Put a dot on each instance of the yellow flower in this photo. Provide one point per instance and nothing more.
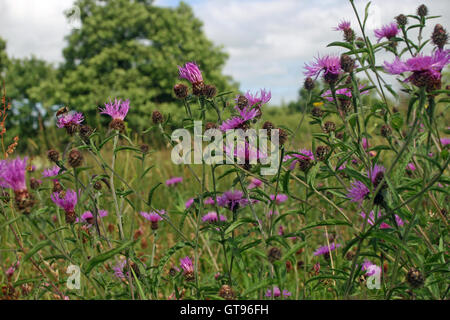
(318, 104)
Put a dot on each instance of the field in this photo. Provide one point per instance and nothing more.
(357, 207)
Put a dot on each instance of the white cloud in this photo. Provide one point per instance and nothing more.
(268, 40)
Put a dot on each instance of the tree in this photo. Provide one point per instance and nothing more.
(131, 49)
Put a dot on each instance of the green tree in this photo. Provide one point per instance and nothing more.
(131, 49)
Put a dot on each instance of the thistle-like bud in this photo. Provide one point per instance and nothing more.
(439, 36)
(349, 35)
(329, 126)
(360, 42)
(422, 10)
(415, 278)
(181, 91)
(226, 292)
(210, 125)
(402, 20)
(242, 102)
(386, 131)
(322, 152)
(209, 91)
(309, 84)
(35, 183)
(75, 158)
(53, 155)
(274, 254)
(282, 136)
(197, 88)
(347, 63)
(317, 112)
(157, 117)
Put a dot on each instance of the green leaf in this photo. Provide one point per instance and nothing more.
(150, 194)
(36, 248)
(107, 255)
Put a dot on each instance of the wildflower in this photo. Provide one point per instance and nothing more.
(402, 20)
(347, 63)
(12, 175)
(277, 293)
(415, 278)
(386, 131)
(322, 152)
(254, 183)
(329, 126)
(343, 25)
(66, 200)
(388, 31)
(144, 148)
(325, 250)
(349, 34)
(383, 225)
(209, 201)
(117, 111)
(119, 268)
(330, 66)
(53, 155)
(192, 73)
(304, 157)
(70, 121)
(213, 217)
(209, 91)
(181, 91)
(232, 200)
(422, 10)
(370, 268)
(445, 141)
(376, 174)
(51, 172)
(358, 192)
(88, 217)
(189, 203)
(280, 198)
(35, 183)
(365, 143)
(75, 158)
(343, 92)
(241, 102)
(154, 217)
(10, 271)
(246, 154)
(317, 112)
(439, 36)
(258, 99)
(426, 70)
(85, 132)
(240, 122)
(410, 167)
(274, 254)
(272, 213)
(174, 181)
(188, 268)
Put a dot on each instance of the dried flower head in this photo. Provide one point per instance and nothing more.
(180, 90)
(75, 158)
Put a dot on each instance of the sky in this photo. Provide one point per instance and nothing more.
(268, 41)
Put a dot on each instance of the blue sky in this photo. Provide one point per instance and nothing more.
(268, 40)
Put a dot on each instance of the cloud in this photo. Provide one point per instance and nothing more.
(268, 40)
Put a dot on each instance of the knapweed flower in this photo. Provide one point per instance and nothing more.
(358, 192)
(280, 198)
(329, 66)
(410, 167)
(191, 72)
(70, 120)
(342, 26)
(245, 154)
(343, 91)
(258, 99)
(12, 175)
(174, 181)
(209, 201)
(426, 70)
(383, 225)
(376, 174)
(241, 121)
(117, 111)
(188, 268)
(388, 31)
(232, 200)
(254, 183)
(66, 200)
(154, 217)
(445, 141)
(10, 271)
(51, 172)
(119, 268)
(88, 216)
(277, 293)
(213, 217)
(325, 250)
(304, 158)
(370, 268)
(189, 203)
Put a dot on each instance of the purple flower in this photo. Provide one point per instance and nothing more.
(387, 31)
(209, 201)
(271, 213)
(258, 99)
(410, 167)
(277, 293)
(383, 225)
(66, 200)
(118, 269)
(342, 26)
(358, 192)
(445, 141)
(343, 91)
(365, 143)
(302, 156)
(186, 265)
(330, 66)
(174, 181)
(189, 203)
(280, 198)
(191, 73)
(254, 183)
(12, 173)
(370, 268)
(423, 67)
(374, 174)
(212, 217)
(51, 172)
(232, 200)
(153, 216)
(69, 119)
(116, 110)
(245, 115)
(88, 217)
(247, 154)
(325, 250)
